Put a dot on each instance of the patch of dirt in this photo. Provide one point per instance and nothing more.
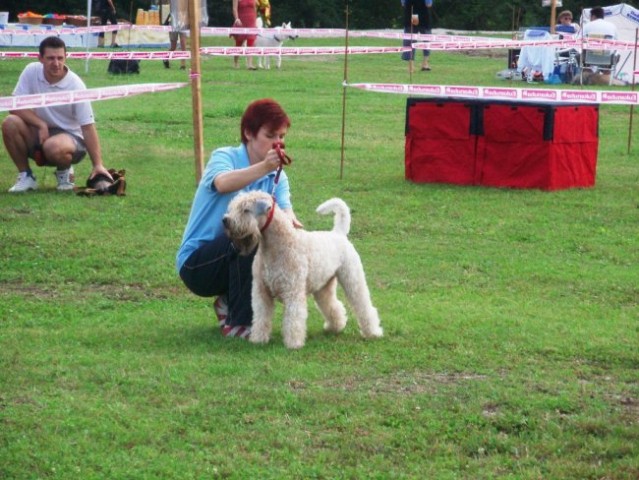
(403, 383)
(488, 53)
(122, 293)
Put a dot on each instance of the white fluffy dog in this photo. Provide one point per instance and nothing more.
(272, 37)
(291, 263)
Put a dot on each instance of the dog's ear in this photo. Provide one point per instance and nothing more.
(262, 207)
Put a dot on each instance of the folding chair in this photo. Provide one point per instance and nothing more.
(536, 59)
(599, 61)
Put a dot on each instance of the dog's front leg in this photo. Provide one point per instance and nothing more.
(294, 323)
(263, 306)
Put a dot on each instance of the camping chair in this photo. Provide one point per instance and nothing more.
(536, 59)
(598, 60)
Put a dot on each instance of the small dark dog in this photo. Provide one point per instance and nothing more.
(101, 185)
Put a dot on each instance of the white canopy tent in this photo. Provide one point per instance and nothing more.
(626, 18)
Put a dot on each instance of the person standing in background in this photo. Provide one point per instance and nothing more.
(417, 19)
(245, 15)
(174, 35)
(106, 11)
(264, 11)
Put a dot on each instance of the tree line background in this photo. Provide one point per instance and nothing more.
(491, 15)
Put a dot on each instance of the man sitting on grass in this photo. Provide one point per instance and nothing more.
(58, 136)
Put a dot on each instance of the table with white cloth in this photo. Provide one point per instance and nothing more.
(18, 35)
(23, 35)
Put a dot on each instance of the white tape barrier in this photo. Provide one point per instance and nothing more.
(110, 55)
(609, 97)
(293, 51)
(227, 31)
(21, 102)
(424, 41)
(451, 42)
(215, 51)
(578, 43)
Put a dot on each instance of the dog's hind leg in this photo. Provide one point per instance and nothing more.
(332, 309)
(353, 280)
(294, 322)
(263, 308)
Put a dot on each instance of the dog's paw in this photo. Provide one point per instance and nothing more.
(258, 337)
(295, 344)
(376, 332)
(334, 327)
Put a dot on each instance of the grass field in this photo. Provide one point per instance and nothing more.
(510, 316)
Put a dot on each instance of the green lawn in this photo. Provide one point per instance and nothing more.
(510, 316)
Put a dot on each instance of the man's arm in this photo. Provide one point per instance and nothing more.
(92, 142)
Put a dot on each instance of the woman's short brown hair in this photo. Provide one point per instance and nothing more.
(263, 113)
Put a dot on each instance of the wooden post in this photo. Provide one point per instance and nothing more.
(553, 16)
(196, 90)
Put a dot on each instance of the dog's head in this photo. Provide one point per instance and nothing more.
(244, 219)
(287, 34)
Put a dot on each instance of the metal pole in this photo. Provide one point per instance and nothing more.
(632, 107)
(341, 165)
(87, 35)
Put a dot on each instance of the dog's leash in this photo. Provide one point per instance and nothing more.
(284, 160)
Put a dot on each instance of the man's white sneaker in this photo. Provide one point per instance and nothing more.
(65, 179)
(24, 183)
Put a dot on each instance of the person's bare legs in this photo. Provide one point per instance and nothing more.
(18, 136)
(425, 64)
(183, 48)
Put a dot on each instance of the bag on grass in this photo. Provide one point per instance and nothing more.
(117, 67)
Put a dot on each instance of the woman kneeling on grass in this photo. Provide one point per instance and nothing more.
(207, 261)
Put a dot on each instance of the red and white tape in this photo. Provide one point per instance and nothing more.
(423, 41)
(610, 97)
(215, 51)
(21, 102)
(453, 42)
(293, 51)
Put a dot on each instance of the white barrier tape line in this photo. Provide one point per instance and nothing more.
(224, 51)
(130, 55)
(565, 43)
(216, 51)
(608, 97)
(293, 51)
(21, 102)
(301, 32)
(111, 55)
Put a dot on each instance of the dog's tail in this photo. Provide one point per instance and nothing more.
(342, 221)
